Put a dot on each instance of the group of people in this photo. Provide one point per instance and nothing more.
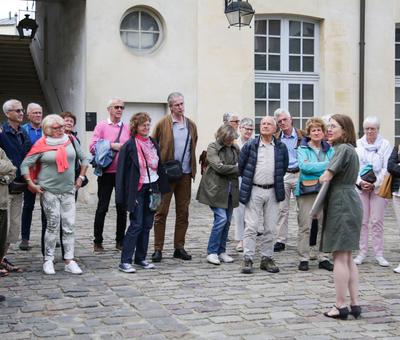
(249, 178)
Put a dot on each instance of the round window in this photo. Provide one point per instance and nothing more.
(141, 30)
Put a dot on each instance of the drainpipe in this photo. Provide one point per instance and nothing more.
(361, 70)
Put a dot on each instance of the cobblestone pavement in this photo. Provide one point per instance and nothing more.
(191, 300)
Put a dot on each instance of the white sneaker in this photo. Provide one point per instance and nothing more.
(213, 258)
(382, 262)
(73, 268)
(224, 257)
(397, 269)
(48, 267)
(359, 259)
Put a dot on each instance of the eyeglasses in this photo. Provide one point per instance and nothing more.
(283, 120)
(234, 121)
(248, 129)
(117, 107)
(60, 127)
(17, 110)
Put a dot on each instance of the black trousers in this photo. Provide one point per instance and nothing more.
(106, 185)
(3, 232)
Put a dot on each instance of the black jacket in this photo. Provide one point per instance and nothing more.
(247, 167)
(128, 174)
(393, 168)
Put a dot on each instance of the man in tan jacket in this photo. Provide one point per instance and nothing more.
(177, 138)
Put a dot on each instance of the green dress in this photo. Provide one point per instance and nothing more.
(343, 210)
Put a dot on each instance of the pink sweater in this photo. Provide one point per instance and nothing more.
(109, 131)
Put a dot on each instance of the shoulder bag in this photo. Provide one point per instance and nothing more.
(78, 164)
(155, 195)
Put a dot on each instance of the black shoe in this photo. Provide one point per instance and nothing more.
(24, 245)
(303, 266)
(343, 313)
(269, 265)
(157, 256)
(58, 245)
(326, 265)
(182, 254)
(259, 233)
(279, 246)
(355, 311)
(247, 267)
(2, 298)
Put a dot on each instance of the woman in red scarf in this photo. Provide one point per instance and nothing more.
(49, 169)
(139, 174)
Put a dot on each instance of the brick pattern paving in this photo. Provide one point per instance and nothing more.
(191, 300)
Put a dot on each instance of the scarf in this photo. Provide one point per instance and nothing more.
(370, 153)
(146, 148)
(45, 144)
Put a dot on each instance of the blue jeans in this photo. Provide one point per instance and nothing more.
(220, 229)
(136, 239)
(27, 211)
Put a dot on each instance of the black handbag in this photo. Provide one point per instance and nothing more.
(17, 187)
(309, 187)
(173, 169)
(78, 165)
(369, 176)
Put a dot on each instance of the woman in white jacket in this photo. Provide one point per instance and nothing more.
(374, 152)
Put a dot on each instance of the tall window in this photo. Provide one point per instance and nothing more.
(286, 66)
(397, 86)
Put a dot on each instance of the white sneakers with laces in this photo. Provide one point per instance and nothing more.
(213, 259)
(73, 268)
(48, 267)
(381, 261)
(224, 257)
(359, 259)
(397, 269)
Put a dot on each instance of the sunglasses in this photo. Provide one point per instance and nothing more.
(117, 107)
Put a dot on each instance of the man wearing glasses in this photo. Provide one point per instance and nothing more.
(291, 137)
(16, 143)
(117, 133)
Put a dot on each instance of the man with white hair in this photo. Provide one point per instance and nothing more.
(117, 133)
(16, 143)
(35, 114)
(263, 162)
(291, 137)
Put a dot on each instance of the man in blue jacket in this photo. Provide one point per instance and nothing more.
(262, 164)
(16, 143)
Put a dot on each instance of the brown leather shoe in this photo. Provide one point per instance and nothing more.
(269, 265)
(98, 248)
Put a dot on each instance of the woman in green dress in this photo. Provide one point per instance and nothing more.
(342, 215)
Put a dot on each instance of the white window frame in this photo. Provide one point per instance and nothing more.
(286, 77)
(160, 32)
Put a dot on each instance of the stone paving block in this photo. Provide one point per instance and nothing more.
(167, 324)
(225, 319)
(82, 330)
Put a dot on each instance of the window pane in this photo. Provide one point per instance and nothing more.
(274, 27)
(294, 45)
(294, 91)
(260, 61)
(308, 109)
(261, 108)
(272, 106)
(294, 63)
(304, 122)
(398, 34)
(397, 67)
(274, 45)
(296, 123)
(274, 90)
(148, 23)
(261, 90)
(308, 29)
(130, 39)
(308, 64)
(131, 21)
(294, 28)
(148, 40)
(261, 27)
(308, 46)
(274, 63)
(397, 56)
(294, 109)
(397, 141)
(260, 44)
(397, 95)
(397, 111)
(308, 92)
(397, 128)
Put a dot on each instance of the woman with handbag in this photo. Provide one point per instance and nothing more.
(342, 215)
(393, 167)
(140, 181)
(313, 155)
(219, 188)
(373, 152)
(49, 169)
